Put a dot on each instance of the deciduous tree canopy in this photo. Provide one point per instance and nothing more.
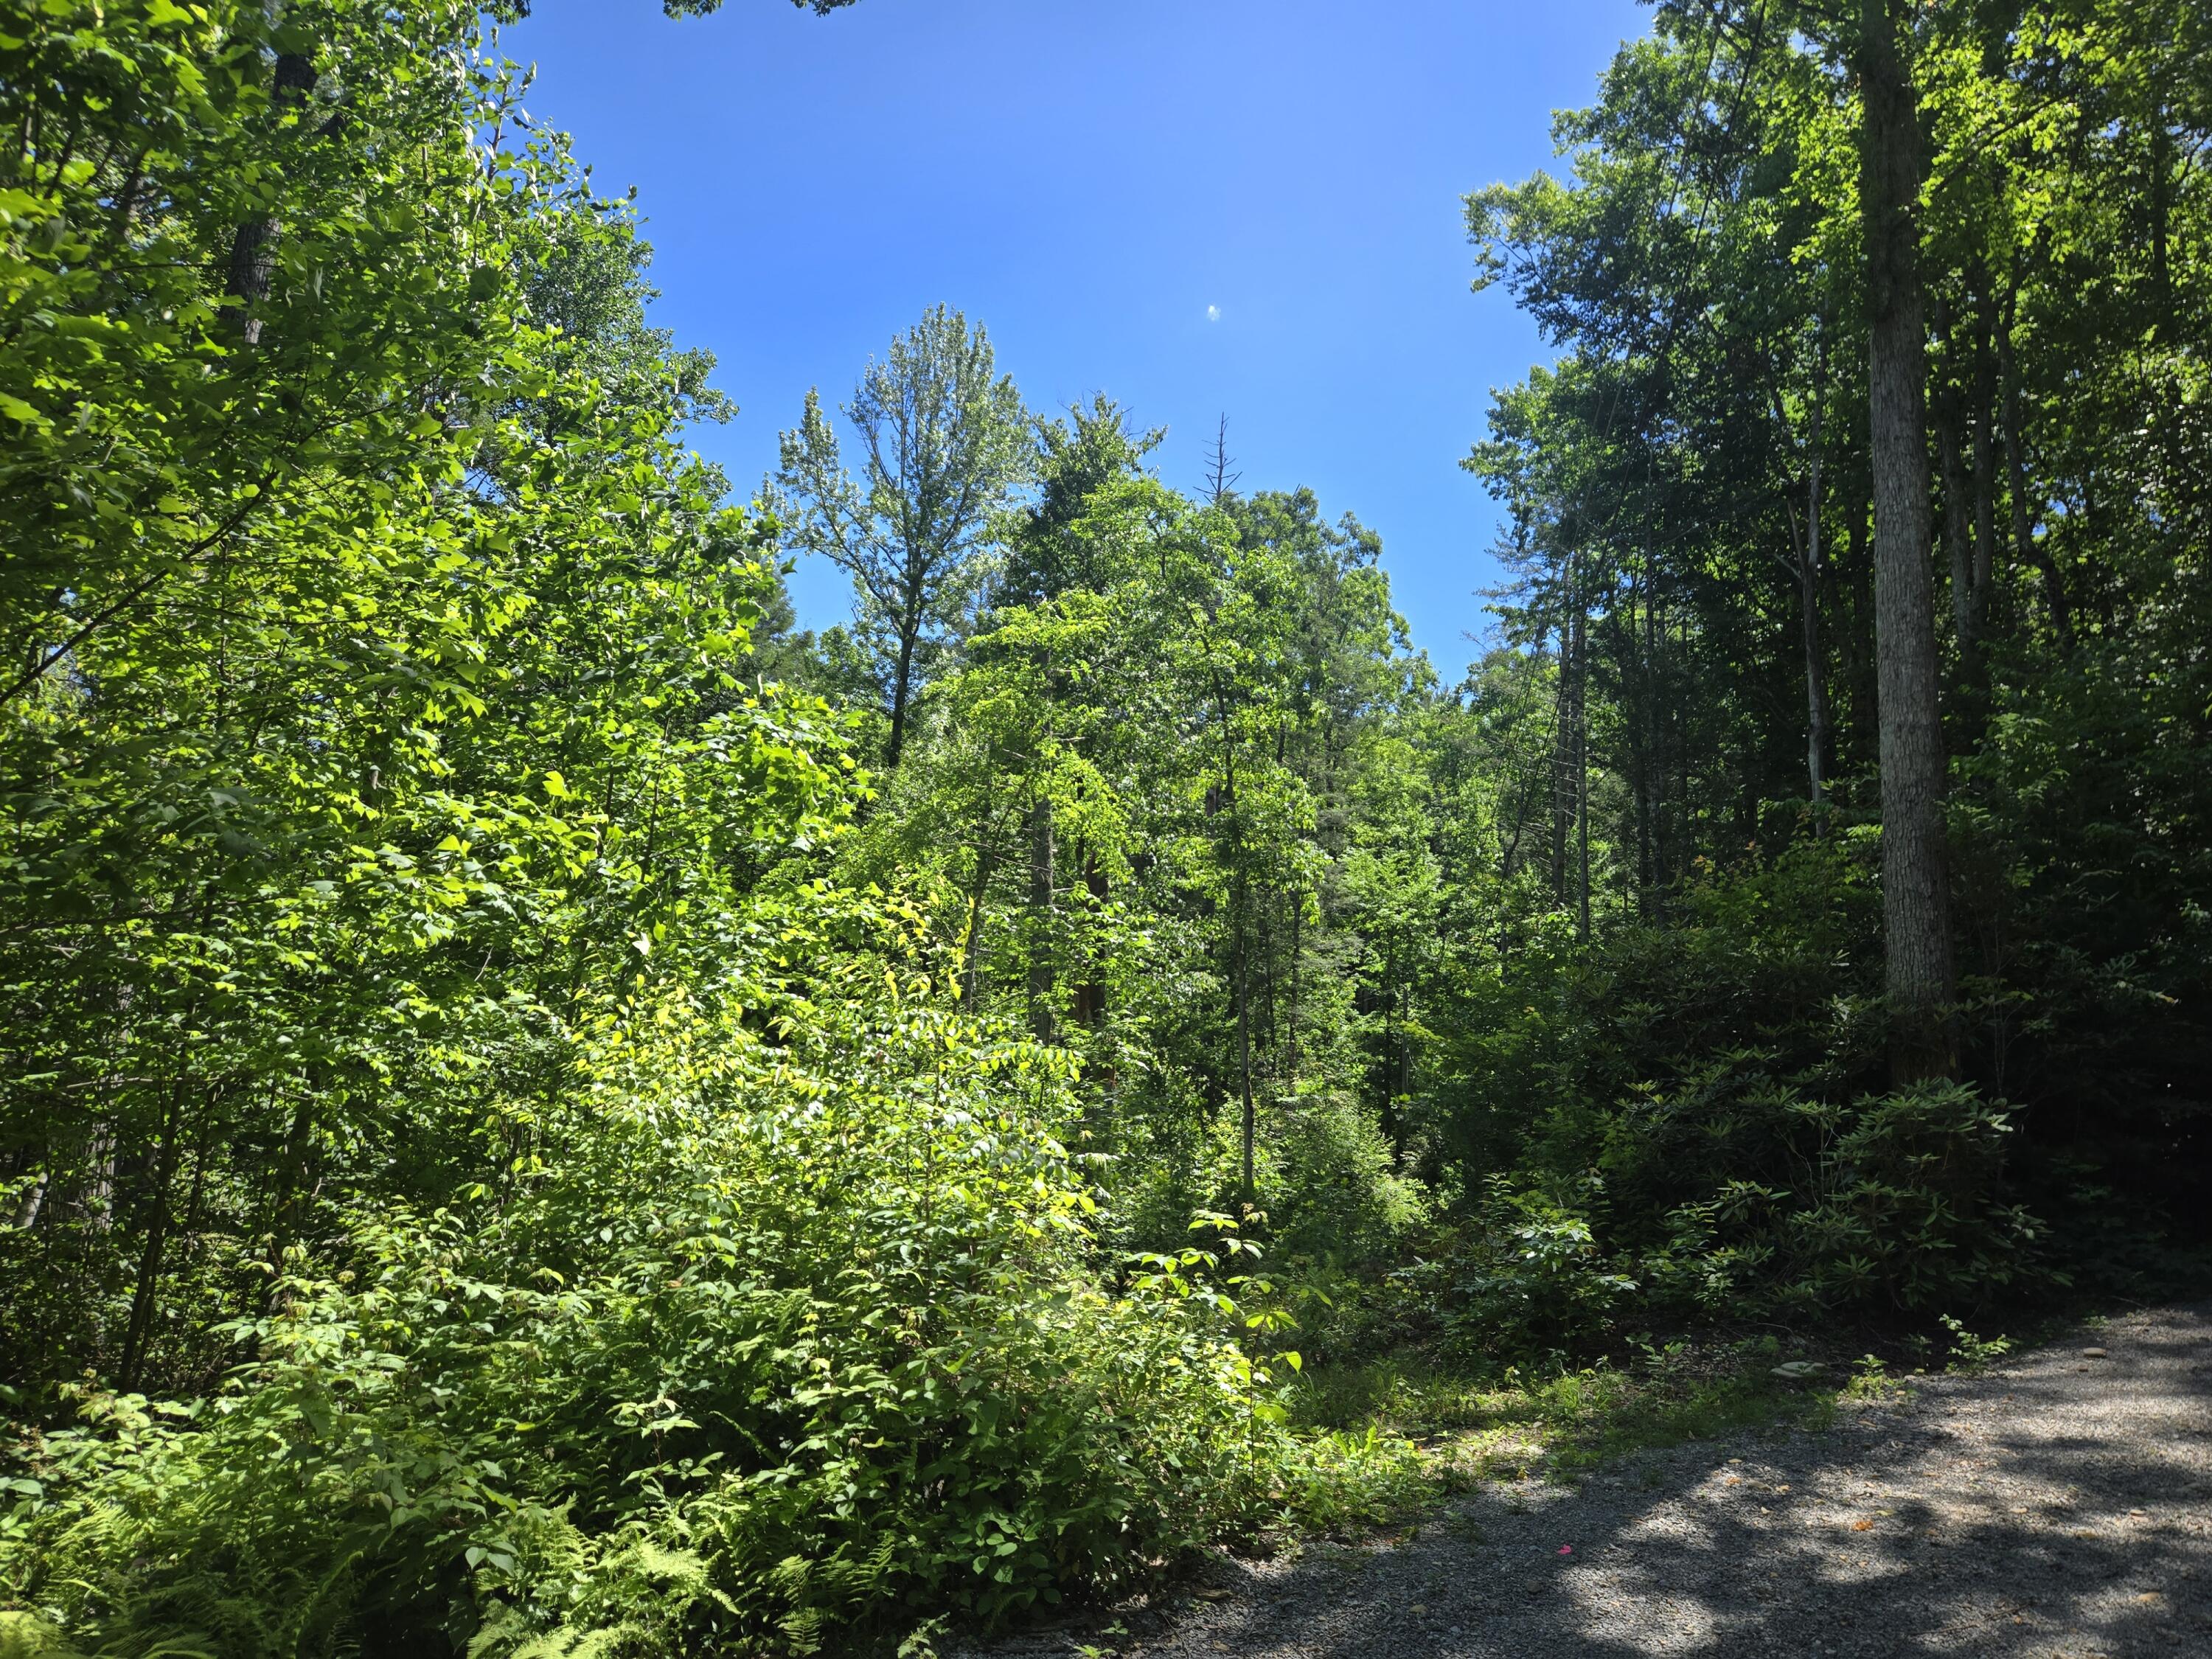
(547, 1112)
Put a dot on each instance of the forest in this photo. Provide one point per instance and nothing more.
(548, 1112)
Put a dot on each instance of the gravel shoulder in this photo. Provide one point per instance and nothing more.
(2060, 1505)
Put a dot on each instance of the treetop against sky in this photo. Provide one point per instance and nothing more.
(1241, 207)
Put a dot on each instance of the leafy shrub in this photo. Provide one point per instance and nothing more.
(1775, 1198)
(1332, 1190)
(818, 1348)
(1349, 1478)
(1529, 1279)
(1707, 1143)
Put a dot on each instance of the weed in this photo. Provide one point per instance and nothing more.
(1872, 1382)
(1969, 1352)
(1564, 1425)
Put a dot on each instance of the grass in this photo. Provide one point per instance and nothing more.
(1384, 1438)
(1562, 1423)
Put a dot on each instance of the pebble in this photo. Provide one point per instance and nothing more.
(1987, 1535)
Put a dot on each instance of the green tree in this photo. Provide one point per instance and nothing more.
(944, 435)
(441, 1045)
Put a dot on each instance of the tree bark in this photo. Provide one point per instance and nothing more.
(1985, 470)
(901, 690)
(253, 246)
(1580, 641)
(1916, 880)
(2026, 551)
(145, 1293)
(1091, 993)
(1241, 901)
(1808, 551)
(2161, 216)
(1563, 761)
(1042, 879)
(33, 1200)
(1251, 1124)
(1655, 768)
(1808, 634)
(1958, 538)
(971, 963)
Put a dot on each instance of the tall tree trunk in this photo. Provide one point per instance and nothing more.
(1816, 679)
(971, 954)
(1563, 749)
(1985, 469)
(1847, 586)
(287, 1212)
(253, 245)
(1636, 700)
(1043, 877)
(1916, 883)
(1091, 993)
(1580, 643)
(1405, 1058)
(1958, 538)
(1241, 902)
(1251, 1125)
(901, 690)
(145, 1294)
(1655, 769)
(1808, 550)
(34, 1199)
(1391, 1127)
(1685, 810)
(2027, 551)
(97, 1202)
(1957, 497)
(2161, 216)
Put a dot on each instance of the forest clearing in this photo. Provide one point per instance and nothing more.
(550, 1111)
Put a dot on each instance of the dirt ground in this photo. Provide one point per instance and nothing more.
(2059, 1504)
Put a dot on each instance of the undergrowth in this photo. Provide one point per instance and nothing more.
(1564, 1421)
(1559, 1421)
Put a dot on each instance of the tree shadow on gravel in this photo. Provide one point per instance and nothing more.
(2060, 1506)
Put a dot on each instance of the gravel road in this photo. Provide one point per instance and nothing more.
(2060, 1505)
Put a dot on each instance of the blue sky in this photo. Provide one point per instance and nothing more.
(1087, 180)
